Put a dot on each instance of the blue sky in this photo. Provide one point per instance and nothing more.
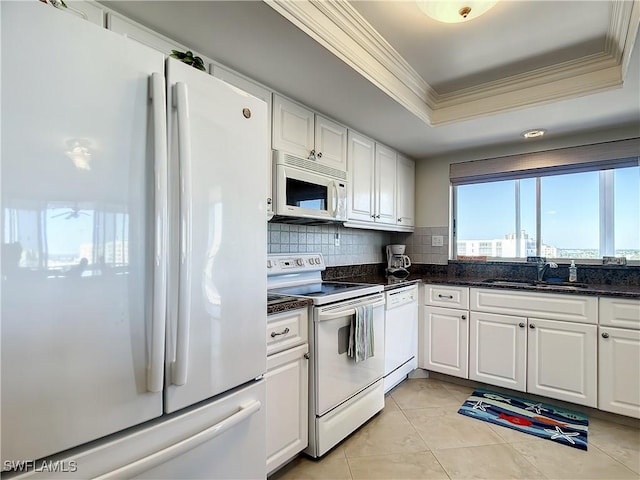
(569, 209)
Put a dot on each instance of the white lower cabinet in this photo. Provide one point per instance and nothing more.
(498, 350)
(445, 341)
(619, 371)
(287, 405)
(287, 380)
(562, 361)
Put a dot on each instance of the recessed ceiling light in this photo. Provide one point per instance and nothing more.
(534, 133)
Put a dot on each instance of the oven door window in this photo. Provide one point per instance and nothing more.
(307, 195)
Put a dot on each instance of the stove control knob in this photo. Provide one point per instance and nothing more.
(300, 262)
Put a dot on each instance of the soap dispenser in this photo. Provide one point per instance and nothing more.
(573, 271)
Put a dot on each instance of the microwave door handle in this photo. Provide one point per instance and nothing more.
(334, 213)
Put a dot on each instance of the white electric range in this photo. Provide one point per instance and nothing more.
(343, 393)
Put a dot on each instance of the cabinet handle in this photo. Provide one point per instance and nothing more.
(307, 356)
(269, 201)
(319, 155)
(284, 332)
(377, 216)
(532, 325)
(399, 220)
(605, 335)
(450, 297)
(373, 216)
(521, 325)
(464, 317)
(312, 155)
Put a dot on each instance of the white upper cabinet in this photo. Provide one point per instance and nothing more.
(386, 175)
(263, 93)
(361, 159)
(300, 132)
(330, 143)
(405, 192)
(90, 11)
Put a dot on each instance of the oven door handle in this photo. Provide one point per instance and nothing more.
(323, 317)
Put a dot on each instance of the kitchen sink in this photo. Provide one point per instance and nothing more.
(510, 283)
(533, 283)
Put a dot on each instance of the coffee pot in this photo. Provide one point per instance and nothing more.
(397, 261)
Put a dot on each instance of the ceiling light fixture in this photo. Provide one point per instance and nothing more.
(534, 133)
(454, 11)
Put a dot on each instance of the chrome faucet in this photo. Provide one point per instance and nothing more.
(543, 267)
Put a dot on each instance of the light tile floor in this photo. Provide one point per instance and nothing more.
(420, 435)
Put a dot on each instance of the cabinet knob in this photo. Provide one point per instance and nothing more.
(307, 356)
(531, 325)
(521, 325)
(269, 201)
(605, 335)
(463, 317)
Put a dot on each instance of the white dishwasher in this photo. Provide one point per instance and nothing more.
(400, 335)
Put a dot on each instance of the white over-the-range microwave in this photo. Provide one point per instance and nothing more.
(306, 191)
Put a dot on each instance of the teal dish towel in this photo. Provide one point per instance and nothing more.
(361, 339)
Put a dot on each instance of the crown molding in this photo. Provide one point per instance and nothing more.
(341, 29)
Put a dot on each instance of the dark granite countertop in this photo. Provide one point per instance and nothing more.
(284, 303)
(628, 291)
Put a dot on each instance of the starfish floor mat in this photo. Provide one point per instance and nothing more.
(535, 418)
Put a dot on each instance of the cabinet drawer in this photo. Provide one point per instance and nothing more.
(446, 296)
(620, 312)
(569, 308)
(286, 330)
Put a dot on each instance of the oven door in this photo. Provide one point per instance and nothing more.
(337, 376)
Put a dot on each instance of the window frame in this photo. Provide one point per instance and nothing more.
(606, 219)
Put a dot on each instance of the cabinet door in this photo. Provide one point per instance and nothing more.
(498, 350)
(446, 341)
(405, 194)
(385, 209)
(86, 10)
(361, 167)
(287, 405)
(264, 94)
(619, 371)
(331, 143)
(562, 361)
(128, 28)
(293, 127)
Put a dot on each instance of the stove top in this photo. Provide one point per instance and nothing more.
(319, 289)
(299, 275)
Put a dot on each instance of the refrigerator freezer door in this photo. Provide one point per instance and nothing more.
(217, 137)
(222, 439)
(77, 247)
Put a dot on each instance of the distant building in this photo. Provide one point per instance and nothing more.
(504, 247)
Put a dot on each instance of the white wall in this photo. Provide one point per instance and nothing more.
(432, 174)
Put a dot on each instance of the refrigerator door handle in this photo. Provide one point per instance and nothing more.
(155, 369)
(181, 364)
(149, 462)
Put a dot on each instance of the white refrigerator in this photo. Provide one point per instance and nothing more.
(134, 243)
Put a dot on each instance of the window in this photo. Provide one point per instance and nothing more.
(580, 215)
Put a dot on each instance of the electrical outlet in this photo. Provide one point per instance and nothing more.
(437, 241)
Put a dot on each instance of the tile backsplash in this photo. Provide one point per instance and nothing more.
(419, 245)
(356, 246)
